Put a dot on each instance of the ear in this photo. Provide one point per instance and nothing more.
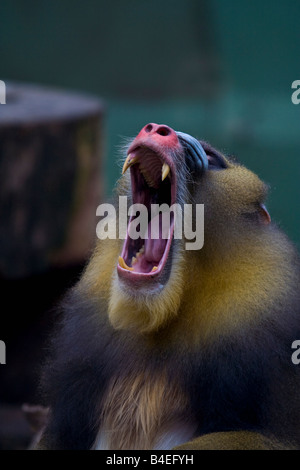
(264, 215)
(215, 159)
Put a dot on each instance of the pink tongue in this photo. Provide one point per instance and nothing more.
(156, 242)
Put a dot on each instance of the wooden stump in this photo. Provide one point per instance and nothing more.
(50, 178)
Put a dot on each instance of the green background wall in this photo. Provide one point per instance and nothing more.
(219, 69)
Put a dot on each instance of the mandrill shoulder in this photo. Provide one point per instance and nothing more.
(235, 440)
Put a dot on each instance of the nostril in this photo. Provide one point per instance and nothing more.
(164, 131)
(153, 135)
(148, 128)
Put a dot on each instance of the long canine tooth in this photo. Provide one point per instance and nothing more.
(123, 264)
(128, 163)
(165, 171)
(154, 268)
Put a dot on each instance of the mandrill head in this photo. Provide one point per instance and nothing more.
(190, 263)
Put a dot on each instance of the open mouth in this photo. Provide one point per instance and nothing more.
(153, 183)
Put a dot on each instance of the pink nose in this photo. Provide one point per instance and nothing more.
(160, 133)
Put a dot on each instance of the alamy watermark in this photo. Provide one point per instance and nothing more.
(2, 352)
(2, 92)
(188, 222)
(296, 354)
(296, 94)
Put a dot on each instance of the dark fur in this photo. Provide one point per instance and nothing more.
(233, 385)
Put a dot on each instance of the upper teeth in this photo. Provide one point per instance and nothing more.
(165, 170)
(148, 178)
(128, 163)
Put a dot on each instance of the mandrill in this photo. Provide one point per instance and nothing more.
(164, 347)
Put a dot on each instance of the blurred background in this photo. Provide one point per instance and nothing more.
(81, 77)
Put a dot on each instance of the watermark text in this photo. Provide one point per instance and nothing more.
(296, 354)
(2, 352)
(159, 221)
(296, 94)
(2, 92)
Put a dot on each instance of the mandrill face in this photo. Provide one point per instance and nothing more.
(148, 277)
(164, 166)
